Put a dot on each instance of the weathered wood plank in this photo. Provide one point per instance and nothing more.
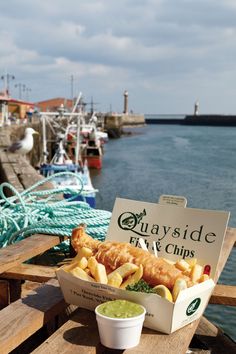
(230, 239)
(9, 176)
(22, 318)
(32, 272)
(224, 295)
(3, 156)
(32, 246)
(4, 293)
(4, 139)
(18, 171)
(80, 334)
(29, 179)
(15, 289)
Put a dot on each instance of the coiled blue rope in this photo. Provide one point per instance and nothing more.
(42, 211)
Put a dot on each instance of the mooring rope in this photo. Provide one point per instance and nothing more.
(42, 211)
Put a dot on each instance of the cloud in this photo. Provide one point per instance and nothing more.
(152, 48)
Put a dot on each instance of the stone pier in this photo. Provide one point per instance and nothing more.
(114, 123)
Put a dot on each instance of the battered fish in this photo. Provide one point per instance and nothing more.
(113, 254)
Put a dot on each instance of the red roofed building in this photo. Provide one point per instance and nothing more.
(53, 104)
(10, 107)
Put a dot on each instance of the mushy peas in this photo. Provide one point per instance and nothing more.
(120, 309)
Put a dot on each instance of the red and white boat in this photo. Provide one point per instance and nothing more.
(91, 143)
(92, 154)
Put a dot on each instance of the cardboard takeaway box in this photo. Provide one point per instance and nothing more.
(177, 232)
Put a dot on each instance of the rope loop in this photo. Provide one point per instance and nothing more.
(43, 211)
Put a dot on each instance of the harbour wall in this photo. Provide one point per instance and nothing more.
(15, 132)
(19, 171)
(211, 119)
(203, 119)
(163, 121)
(114, 123)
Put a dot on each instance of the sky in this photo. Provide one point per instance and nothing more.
(167, 54)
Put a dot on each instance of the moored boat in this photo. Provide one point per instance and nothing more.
(91, 143)
(70, 174)
(93, 155)
(73, 179)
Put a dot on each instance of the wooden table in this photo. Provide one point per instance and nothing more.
(80, 333)
(24, 317)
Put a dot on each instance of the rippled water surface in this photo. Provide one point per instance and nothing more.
(193, 161)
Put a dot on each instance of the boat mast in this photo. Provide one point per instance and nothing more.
(45, 152)
(53, 120)
(77, 148)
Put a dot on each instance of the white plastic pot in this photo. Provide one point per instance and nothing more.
(120, 333)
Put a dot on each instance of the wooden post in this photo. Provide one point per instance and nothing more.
(4, 293)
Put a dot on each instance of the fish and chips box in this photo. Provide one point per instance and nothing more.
(169, 230)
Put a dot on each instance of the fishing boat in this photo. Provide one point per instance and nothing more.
(73, 178)
(92, 153)
(91, 142)
(64, 172)
(91, 128)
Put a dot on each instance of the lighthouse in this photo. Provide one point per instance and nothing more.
(196, 108)
(125, 102)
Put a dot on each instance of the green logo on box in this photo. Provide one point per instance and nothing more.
(193, 306)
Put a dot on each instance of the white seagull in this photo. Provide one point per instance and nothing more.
(25, 145)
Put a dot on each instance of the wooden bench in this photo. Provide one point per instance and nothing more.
(22, 319)
(80, 334)
(24, 313)
(13, 269)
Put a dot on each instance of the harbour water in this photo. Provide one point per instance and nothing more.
(198, 162)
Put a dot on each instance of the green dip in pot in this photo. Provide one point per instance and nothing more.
(120, 309)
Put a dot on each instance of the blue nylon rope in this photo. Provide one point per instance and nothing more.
(44, 211)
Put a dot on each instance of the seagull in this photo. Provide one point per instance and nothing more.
(25, 145)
